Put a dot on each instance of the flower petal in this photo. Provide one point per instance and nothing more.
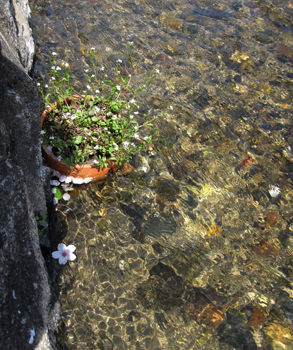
(71, 248)
(71, 256)
(61, 247)
(62, 260)
(56, 254)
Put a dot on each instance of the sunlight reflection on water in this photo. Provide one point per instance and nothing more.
(189, 250)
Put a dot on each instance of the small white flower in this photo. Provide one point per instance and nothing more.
(46, 86)
(156, 214)
(118, 87)
(54, 190)
(96, 147)
(66, 196)
(97, 109)
(114, 117)
(136, 136)
(131, 116)
(132, 101)
(171, 107)
(53, 67)
(58, 68)
(136, 127)
(64, 253)
(157, 71)
(38, 84)
(51, 137)
(130, 42)
(135, 112)
(118, 71)
(86, 70)
(73, 116)
(125, 144)
(66, 64)
(144, 168)
(146, 138)
(54, 183)
(129, 75)
(88, 87)
(93, 48)
(274, 191)
(102, 68)
(53, 78)
(42, 132)
(92, 75)
(119, 61)
(54, 54)
(106, 75)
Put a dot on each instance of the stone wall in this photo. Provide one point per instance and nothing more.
(28, 309)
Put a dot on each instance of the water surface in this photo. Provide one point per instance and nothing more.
(189, 250)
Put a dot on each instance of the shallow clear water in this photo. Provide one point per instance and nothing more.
(189, 250)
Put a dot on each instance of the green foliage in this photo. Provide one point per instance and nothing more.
(41, 219)
(101, 120)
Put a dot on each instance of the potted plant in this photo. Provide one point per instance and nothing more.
(88, 134)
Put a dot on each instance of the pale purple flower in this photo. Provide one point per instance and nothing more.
(64, 253)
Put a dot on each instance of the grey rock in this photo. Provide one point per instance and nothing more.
(29, 310)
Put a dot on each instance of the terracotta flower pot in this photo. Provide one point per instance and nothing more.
(84, 171)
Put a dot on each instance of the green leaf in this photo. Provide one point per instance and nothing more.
(58, 193)
(95, 119)
(43, 214)
(78, 140)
